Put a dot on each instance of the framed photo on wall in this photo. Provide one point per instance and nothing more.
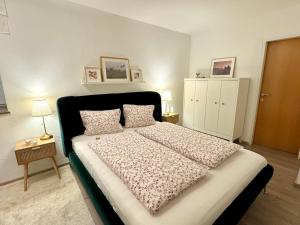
(222, 67)
(136, 75)
(115, 70)
(3, 8)
(92, 75)
(3, 105)
(4, 28)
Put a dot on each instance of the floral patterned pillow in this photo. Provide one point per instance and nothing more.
(101, 122)
(138, 115)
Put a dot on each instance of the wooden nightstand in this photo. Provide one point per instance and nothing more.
(26, 153)
(170, 117)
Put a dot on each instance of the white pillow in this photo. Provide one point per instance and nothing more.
(101, 122)
(138, 115)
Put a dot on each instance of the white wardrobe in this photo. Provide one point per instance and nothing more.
(216, 106)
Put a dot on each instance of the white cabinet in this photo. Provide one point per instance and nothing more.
(228, 100)
(199, 107)
(193, 107)
(212, 105)
(216, 106)
(189, 93)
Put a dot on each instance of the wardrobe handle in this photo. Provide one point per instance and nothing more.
(216, 103)
(223, 103)
(191, 99)
(197, 100)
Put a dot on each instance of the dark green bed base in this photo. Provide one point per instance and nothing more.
(101, 204)
(230, 216)
(71, 125)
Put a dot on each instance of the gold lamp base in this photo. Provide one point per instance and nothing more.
(46, 137)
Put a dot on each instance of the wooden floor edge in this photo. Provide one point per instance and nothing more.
(30, 175)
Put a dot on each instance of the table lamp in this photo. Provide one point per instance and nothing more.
(40, 108)
(166, 96)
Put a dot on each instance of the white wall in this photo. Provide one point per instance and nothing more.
(51, 41)
(244, 38)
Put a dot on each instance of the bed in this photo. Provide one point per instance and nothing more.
(210, 204)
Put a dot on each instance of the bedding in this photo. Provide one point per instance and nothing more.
(201, 204)
(101, 122)
(154, 173)
(205, 149)
(138, 115)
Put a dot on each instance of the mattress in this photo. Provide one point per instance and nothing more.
(201, 204)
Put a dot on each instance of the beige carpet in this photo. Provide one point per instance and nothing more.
(47, 201)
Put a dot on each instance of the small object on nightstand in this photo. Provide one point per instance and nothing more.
(170, 117)
(37, 149)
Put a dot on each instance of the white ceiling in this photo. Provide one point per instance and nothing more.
(189, 16)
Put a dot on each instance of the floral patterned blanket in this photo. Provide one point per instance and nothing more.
(205, 149)
(154, 173)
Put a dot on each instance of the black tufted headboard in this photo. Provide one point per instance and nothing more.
(69, 107)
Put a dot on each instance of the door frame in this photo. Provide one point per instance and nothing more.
(262, 66)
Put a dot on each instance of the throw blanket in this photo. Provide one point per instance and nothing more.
(203, 148)
(154, 173)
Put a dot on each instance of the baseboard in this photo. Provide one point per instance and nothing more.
(245, 143)
(42, 171)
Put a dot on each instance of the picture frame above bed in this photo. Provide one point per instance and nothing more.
(136, 75)
(92, 75)
(115, 70)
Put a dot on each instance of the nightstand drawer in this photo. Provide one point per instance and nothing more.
(35, 153)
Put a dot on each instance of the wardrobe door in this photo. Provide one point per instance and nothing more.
(188, 109)
(212, 105)
(200, 103)
(229, 92)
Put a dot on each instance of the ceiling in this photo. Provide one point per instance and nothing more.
(189, 16)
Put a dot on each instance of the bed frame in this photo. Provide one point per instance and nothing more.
(71, 125)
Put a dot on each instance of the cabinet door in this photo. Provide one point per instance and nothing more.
(212, 105)
(227, 110)
(200, 103)
(188, 109)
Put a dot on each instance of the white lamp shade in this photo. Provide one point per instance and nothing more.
(166, 95)
(40, 107)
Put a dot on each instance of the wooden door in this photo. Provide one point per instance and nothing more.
(200, 102)
(227, 110)
(278, 118)
(188, 109)
(212, 105)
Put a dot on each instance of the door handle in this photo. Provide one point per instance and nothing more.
(264, 94)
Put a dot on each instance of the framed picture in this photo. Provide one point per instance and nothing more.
(3, 8)
(3, 106)
(4, 29)
(222, 67)
(136, 75)
(115, 70)
(92, 75)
